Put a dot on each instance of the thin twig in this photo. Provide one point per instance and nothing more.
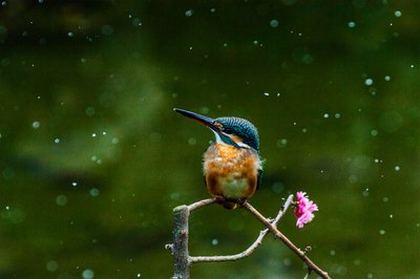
(273, 229)
(252, 247)
(201, 203)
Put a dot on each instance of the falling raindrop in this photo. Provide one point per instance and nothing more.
(189, 13)
(368, 82)
(36, 124)
(351, 24)
(274, 23)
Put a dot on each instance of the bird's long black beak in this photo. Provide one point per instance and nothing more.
(204, 120)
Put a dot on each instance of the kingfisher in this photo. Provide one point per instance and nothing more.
(232, 165)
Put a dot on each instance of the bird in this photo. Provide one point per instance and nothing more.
(232, 165)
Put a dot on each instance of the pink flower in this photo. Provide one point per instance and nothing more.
(304, 209)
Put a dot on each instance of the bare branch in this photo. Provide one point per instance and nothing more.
(273, 229)
(252, 247)
(201, 203)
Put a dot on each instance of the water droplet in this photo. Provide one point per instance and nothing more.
(385, 199)
(74, 184)
(212, 10)
(326, 115)
(70, 34)
(36, 124)
(374, 133)
(368, 82)
(93, 135)
(282, 142)
(266, 94)
(56, 140)
(115, 141)
(387, 78)
(337, 115)
(94, 192)
(365, 193)
(332, 252)
(40, 1)
(61, 200)
(7, 207)
(397, 13)
(88, 274)
(274, 23)
(138, 275)
(351, 24)
(52, 266)
(214, 242)
(391, 216)
(382, 232)
(397, 168)
(189, 13)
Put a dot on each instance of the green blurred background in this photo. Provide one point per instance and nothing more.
(93, 159)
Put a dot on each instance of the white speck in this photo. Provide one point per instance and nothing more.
(382, 232)
(351, 24)
(138, 275)
(74, 184)
(4, 3)
(374, 133)
(93, 158)
(274, 23)
(189, 13)
(70, 34)
(93, 135)
(412, 66)
(304, 130)
(7, 207)
(397, 13)
(278, 94)
(225, 44)
(214, 242)
(255, 42)
(337, 115)
(103, 133)
(387, 78)
(266, 94)
(397, 168)
(99, 162)
(391, 216)
(36, 124)
(88, 274)
(56, 140)
(326, 115)
(212, 10)
(368, 82)
(115, 141)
